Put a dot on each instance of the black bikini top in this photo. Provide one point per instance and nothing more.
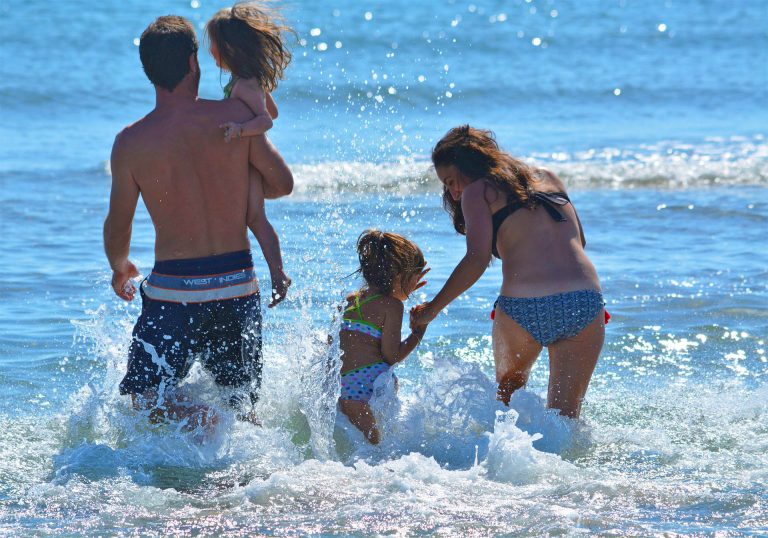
(551, 201)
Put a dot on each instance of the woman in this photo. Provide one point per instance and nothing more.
(550, 294)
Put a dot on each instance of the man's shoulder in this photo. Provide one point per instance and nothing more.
(223, 106)
(131, 133)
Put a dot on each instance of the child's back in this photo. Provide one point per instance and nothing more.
(369, 337)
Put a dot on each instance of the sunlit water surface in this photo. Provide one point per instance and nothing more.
(653, 113)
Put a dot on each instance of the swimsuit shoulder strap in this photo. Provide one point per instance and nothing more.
(359, 304)
(368, 300)
(552, 201)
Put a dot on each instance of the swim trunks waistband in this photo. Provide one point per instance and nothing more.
(200, 280)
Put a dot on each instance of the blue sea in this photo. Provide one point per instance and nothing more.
(655, 114)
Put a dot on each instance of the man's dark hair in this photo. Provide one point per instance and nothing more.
(165, 48)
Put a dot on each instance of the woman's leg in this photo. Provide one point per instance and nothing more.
(571, 363)
(514, 351)
(360, 414)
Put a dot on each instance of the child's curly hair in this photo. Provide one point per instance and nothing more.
(386, 258)
(249, 39)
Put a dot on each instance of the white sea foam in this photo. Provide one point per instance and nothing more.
(734, 161)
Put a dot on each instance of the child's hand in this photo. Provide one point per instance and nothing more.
(231, 130)
(421, 315)
(280, 285)
(419, 330)
(422, 283)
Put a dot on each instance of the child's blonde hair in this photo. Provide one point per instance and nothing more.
(249, 39)
(387, 257)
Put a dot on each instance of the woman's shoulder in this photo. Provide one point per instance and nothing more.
(548, 181)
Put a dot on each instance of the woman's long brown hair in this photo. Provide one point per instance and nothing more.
(249, 38)
(476, 154)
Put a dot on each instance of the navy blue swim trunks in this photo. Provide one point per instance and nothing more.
(200, 308)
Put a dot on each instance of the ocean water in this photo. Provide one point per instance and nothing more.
(655, 115)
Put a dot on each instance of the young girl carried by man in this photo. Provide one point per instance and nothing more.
(247, 40)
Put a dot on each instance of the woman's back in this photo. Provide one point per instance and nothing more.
(541, 255)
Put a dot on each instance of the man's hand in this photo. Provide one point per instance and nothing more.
(121, 280)
(280, 285)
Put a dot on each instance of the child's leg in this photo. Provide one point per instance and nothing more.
(266, 236)
(361, 415)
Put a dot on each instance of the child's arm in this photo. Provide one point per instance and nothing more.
(271, 106)
(267, 238)
(392, 349)
(249, 92)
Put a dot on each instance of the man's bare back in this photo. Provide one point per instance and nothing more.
(194, 184)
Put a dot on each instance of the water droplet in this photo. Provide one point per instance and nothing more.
(536, 41)
(368, 15)
(553, 13)
(391, 90)
(136, 41)
(314, 32)
(337, 44)
(422, 78)
(322, 47)
(195, 4)
(617, 91)
(662, 27)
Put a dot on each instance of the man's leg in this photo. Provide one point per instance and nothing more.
(160, 356)
(234, 351)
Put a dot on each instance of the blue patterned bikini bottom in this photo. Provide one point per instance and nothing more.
(553, 317)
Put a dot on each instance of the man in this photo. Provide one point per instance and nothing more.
(201, 298)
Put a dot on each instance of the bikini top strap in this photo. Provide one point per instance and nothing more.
(359, 304)
(551, 201)
(368, 300)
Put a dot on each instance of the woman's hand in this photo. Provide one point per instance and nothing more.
(421, 315)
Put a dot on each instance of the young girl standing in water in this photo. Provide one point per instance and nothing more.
(392, 268)
(247, 40)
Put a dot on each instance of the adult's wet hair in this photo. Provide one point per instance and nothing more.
(386, 258)
(250, 40)
(476, 154)
(165, 48)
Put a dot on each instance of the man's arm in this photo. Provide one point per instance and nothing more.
(278, 179)
(119, 221)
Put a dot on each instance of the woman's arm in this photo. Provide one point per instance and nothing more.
(479, 227)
